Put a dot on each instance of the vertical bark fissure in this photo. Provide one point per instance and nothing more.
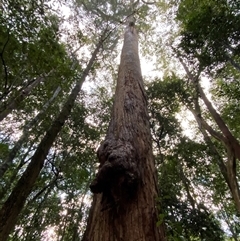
(125, 187)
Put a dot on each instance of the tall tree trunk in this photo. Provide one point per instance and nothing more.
(124, 203)
(15, 202)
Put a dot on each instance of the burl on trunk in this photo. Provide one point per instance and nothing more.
(125, 188)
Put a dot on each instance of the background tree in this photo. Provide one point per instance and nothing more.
(209, 46)
(184, 167)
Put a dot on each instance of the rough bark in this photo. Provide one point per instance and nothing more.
(15, 202)
(124, 203)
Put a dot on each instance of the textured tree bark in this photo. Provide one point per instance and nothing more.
(125, 187)
(15, 202)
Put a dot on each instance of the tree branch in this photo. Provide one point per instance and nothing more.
(149, 3)
(3, 62)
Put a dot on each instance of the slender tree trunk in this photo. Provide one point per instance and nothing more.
(225, 137)
(231, 142)
(13, 176)
(233, 63)
(14, 204)
(230, 225)
(230, 59)
(5, 165)
(124, 203)
(187, 185)
(232, 147)
(76, 234)
(13, 104)
(229, 177)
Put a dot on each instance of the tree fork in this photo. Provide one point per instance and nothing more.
(225, 137)
(230, 141)
(125, 187)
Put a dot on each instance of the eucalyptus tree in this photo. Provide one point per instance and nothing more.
(209, 45)
(15, 202)
(58, 205)
(205, 158)
(53, 164)
(125, 188)
(185, 168)
(32, 69)
(25, 29)
(23, 179)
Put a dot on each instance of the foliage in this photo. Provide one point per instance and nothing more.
(210, 31)
(38, 40)
(185, 169)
